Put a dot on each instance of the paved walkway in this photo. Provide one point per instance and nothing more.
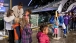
(71, 38)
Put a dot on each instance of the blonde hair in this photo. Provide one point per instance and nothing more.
(23, 22)
(17, 20)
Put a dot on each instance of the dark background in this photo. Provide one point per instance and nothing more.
(15, 2)
(25, 2)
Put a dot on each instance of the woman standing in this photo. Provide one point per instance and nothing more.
(25, 25)
(8, 18)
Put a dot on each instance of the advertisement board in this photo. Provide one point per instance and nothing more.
(34, 20)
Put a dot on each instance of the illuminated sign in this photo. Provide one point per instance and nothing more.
(2, 8)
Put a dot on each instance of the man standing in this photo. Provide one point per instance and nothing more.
(18, 10)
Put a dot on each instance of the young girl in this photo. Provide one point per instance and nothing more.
(42, 35)
(56, 29)
(25, 25)
(8, 18)
(56, 24)
(17, 30)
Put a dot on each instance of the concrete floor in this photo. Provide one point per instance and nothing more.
(71, 38)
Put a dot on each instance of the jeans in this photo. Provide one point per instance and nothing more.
(71, 24)
(74, 25)
(17, 41)
(65, 31)
(67, 28)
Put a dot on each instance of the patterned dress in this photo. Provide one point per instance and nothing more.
(26, 34)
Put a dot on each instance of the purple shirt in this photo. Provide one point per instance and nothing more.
(66, 19)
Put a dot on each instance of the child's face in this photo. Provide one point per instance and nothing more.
(46, 30)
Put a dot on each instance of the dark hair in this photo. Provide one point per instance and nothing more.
(20, 4)
(9, 12)
(28, 10)
(66, 13)
(42, 27)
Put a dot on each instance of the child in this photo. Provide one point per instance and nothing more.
(8, 18)
(25, 25)
(17, 30)
(42, 35)
(66, 20)
(56, 28)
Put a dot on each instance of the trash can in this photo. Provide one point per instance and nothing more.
(1, 24)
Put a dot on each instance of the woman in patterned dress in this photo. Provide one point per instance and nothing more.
(26, 26)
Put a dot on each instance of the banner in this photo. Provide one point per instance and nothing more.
(34, 20)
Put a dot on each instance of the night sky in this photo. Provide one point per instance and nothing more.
(25, 2)
(15, 2)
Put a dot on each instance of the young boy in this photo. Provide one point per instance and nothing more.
(66, 20)
(42, 35)
(17, 30)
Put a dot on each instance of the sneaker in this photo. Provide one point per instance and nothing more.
(65, 36)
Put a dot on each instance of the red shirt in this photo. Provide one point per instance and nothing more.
(42, 38)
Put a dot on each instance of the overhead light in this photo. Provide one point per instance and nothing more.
(30, 2)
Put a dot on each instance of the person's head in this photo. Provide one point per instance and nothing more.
(71, 13)
(44, 29)
(9, 12)
(66, 13)
(16, 20)
(27, 12)
(20, 5)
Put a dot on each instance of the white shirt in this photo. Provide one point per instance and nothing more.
(8, 22)
(17, 12)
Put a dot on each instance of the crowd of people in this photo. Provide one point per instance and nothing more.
(18, 25)
(66, 21)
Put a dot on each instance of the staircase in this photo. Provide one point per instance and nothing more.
(67, 4)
